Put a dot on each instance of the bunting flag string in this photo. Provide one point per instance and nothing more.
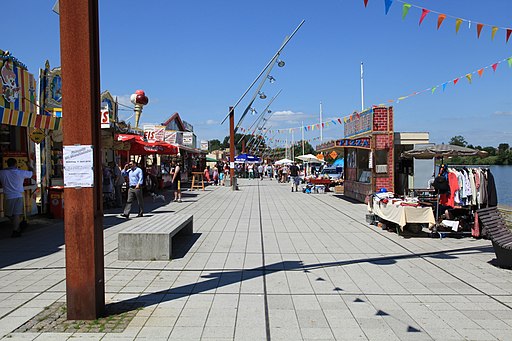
(406, 6)
(345, 119)
(468, 76)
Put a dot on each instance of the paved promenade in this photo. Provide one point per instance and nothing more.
(268, 264)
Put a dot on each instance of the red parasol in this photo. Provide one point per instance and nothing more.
(141, 147)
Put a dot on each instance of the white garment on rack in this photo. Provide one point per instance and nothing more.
(473, 187)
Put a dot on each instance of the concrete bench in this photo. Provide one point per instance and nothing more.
(151, 238)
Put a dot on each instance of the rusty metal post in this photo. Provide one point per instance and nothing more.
(83, 211)
(232, 147)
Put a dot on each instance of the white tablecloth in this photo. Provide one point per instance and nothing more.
(402, 215)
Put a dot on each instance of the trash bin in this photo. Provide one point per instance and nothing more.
(56, 198)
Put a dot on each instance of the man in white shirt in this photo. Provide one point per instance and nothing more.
(12, 181)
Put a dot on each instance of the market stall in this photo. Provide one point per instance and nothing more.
(401, 211)
(21, 126)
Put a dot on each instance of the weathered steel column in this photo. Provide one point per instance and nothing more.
(232, 147)
(83, 211)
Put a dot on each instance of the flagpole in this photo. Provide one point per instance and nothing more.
(362, 88)
(293, 148)
(321, 128)
(302, 129)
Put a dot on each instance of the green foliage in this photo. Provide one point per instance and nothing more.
(458, 141)
(214, 145)
(502, 155)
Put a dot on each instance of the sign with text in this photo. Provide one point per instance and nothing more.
(78, 166)
(188, 138)
(37, 135)
(105, 119)
(359, 123)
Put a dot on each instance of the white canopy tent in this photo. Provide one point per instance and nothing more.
(284, 162)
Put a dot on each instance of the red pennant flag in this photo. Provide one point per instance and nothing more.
(440, 20)
(339, 120)
(480, 72)
(479, 29)
(365, 3)
(509, 31)
(494, 66)
(455, 81)
(424, 13)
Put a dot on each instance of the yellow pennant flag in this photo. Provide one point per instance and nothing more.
(469, 77)
(494, 30)
(457, 25)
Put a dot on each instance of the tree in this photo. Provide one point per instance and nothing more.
(458, 141)
(214, 145)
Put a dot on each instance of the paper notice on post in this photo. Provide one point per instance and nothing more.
(78, 166)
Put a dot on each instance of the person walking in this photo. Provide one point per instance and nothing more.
(176, 181)
(135, 181)
(12, 181)
(270, 171)
(294, 173)
(118, 184)
(251, 171)
(261, 171)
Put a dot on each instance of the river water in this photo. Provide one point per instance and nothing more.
(503, 179)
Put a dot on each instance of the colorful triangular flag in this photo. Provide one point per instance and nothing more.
(494, 66)
(424, 13)
(479, 29)
(455, 81)
(509, 60)
(509, 31)
(433, 89)
(493, 32)
(469, 76)
(405, 10)
(457, 25)
(444, 86)
(365, 3)
(388, 4)
(480, 72)
(440, 20)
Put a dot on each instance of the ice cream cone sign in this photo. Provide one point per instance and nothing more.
(139, 99)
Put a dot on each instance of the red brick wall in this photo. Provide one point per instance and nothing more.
(384, 141)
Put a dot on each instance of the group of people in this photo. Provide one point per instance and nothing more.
(217, 175)
(134, 178)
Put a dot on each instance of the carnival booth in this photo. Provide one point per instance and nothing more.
(368, 151)
(21, 126)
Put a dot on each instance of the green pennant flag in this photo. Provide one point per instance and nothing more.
(405, 10)
(434, 89)
(509, 60)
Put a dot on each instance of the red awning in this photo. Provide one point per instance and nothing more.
(141, 147)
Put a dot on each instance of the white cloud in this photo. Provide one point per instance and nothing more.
(211, 122)
(503, 113)
(289, 116)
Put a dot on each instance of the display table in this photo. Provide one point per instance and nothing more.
(395, 212)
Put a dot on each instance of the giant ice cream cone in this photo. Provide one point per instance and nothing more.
(139, 99)
(138, 111)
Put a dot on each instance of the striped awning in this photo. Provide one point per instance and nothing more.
(32, 120)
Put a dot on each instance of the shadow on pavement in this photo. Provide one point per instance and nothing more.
(220, 279)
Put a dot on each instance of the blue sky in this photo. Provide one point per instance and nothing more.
(198, 57)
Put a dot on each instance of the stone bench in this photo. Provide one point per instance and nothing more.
(151, 238)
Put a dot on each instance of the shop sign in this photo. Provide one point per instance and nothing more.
(37, 135)
(159, 133)
(204, 145)
(21, 159)
(361, 143)
(149, 132)
(105, 119)
(170, 136)
(359, 123)
(188, 138)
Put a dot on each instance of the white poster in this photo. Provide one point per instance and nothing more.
(188, 138)
(78, 166)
